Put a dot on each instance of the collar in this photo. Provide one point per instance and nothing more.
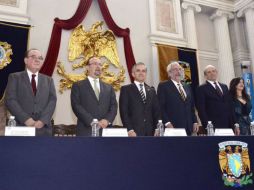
(30, 73)
(176, 83)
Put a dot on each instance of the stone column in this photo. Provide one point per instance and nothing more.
(190, 23)
(248, 13)
(225, 61)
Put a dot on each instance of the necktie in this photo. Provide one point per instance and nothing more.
(217, 88)
(142, 93)
(96, 89)
(181, 92)
(33, 83)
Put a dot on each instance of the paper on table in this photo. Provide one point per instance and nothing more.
(19, 131)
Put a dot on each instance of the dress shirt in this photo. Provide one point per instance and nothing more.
(138, 86)
(212, 83)
(30, 76)
(91, 80)
(176, 85)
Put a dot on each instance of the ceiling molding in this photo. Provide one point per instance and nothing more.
(225, 5)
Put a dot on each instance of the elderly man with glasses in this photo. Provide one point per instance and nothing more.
(31, 96)
(176, 101)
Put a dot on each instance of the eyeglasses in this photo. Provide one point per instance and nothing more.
(95, 63)
(33, 57)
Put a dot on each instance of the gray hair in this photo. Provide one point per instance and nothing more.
(207, 67)
(134, 66)
(169, 67)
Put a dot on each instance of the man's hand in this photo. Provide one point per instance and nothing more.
(195, 127)
(103, 123)
(169, 125)
(30, 122)
(237, 130)
(132, 133)
(38, 124)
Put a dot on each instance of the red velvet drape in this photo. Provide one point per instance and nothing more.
(74, 21)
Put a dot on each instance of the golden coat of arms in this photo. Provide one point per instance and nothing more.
(5, 53)
(85, 44)
(235, 163)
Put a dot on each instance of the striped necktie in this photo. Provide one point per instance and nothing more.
(181, 92)
(142, 93)
(218, 90)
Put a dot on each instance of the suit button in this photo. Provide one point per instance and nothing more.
(144, 120)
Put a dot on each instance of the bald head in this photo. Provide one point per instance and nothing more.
(210, 73)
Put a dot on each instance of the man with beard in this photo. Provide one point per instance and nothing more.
(93, 99)
(176, 101)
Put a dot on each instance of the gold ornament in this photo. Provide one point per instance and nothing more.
(85, 44)
(5, 53)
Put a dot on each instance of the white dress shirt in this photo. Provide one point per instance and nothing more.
(30, 76)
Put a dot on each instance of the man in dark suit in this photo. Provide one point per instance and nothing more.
(213, 102)
(93, 99)
(31, 96)
(176, 101)
(139, 107)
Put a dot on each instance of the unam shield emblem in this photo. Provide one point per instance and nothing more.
(235, 163)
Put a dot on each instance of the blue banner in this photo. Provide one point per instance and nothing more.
(249, 89)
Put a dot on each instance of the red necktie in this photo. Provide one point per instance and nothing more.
(33, 84)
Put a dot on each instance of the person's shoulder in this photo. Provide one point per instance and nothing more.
(149, 88)
(222, 84)
(164, 83)
(45, 76)
(127, 86)
(80, 82)
(16, 74)
(204, 85)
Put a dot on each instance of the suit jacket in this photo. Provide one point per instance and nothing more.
(22, 103)
(180, 113)
(135, 115)
(213, 107)
(86, 106)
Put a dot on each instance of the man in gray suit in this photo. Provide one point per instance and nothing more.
(93, 99)
(31, 96)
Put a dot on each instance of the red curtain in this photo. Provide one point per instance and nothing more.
(74, 21)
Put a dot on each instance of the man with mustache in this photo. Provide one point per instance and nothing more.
(176, 101)
(93, 99)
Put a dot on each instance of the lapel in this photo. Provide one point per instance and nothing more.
(27, 82)
(39, 85)
(148, 93)
(212, 89)
(102, 89)
(175, 90)
(89, 88)
(136, 92)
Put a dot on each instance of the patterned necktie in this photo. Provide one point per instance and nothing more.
(181, 92)
(142, 93)
(218, 90)
(96, 89)
(33, 83)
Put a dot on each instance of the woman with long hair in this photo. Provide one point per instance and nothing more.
(241, 106)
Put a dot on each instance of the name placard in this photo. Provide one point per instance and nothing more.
(114, 132)
(20, 131)
(224, 132)
(175, 132)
